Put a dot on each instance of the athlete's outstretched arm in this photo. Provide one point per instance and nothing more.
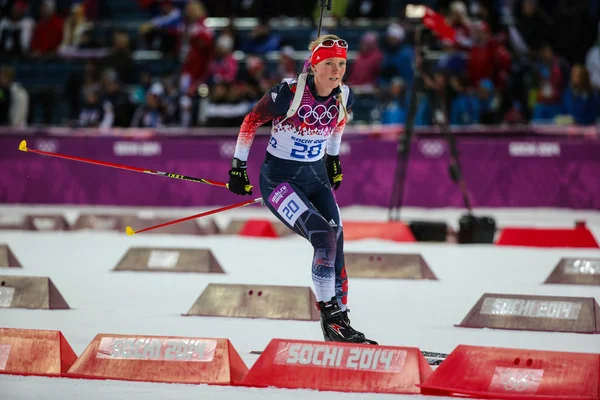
(273, 104)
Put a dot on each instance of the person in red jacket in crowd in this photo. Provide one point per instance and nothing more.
(196, 47)
(488, 58)
(550, 86)
(48, 32)
(367, 66)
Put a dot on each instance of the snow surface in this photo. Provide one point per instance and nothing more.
(393, 312)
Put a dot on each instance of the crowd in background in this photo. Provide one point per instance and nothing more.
(510, 61)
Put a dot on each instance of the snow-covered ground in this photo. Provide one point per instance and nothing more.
(394, 312)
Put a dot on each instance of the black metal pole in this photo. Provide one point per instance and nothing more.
(324, 4)
(405, 140)
(454, 168)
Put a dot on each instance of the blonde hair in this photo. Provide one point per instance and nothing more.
(320, 39)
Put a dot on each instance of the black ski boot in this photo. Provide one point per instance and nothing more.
(336, 325)
(347, 321)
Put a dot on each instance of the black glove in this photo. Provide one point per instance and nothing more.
(334, 170)
(238, 178)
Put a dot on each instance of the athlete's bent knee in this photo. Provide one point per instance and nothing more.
(324, 239)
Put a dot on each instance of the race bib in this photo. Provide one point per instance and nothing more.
(287, 203)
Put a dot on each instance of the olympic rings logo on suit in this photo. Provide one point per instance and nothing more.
(320, 113)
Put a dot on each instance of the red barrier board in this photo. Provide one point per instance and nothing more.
(344, 367)
(160, 359)
(258, 228)
(543, 237)
(395, 231)
(34, 352)
(503, 373)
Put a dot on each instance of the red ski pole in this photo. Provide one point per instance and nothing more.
(23, 147)
(130, 231)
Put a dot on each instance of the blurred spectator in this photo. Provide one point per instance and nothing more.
(224, 67)
(532, 29)
(217, 99)
(43, 101)
(138, 91)
(231, 31)
(488, 59)
(393, 110)
(160, 32)
(256, 74)
(580, 101)
(94, 112)
(116, 98)
(48, 32)
(398, 56)
(515, 114)
(77, 84)
(197, 47)
(226, 106)
(286, 66)
(424, 111)
(89, 45)
(459, 20)
(592, 62)
(453, 61)
(464, 106)
(16, 31)
(120, 57)
(178, 108)
(437, 98)
(186, 107)
(170, 99)
(5, 99)
(488, 103)
(500, 86)
(17, 99)
(367, 66)
(19, 108)
(550, 86)
(75, 28)
(248, 91)
(521, 86)
(489, 11)
(261, 40)
(152, 113)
